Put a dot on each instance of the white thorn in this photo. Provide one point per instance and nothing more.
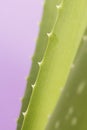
(58, 6)
(24, 113)
(49, 34)
(39, 63)
(33, 86)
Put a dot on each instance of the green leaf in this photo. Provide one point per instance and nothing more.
(71, 110)
(55, 66)
(48, 20)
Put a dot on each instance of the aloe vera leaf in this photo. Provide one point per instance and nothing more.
(48, 20)
(55, 66)
(71, 110)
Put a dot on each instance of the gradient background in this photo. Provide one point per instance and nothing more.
(18, 31)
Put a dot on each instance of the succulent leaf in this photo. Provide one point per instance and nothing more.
(61, 50)
(71, 110)
(48, 20)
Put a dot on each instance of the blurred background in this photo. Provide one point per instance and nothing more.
(18, 32)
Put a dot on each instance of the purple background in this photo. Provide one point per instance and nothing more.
(18, 31)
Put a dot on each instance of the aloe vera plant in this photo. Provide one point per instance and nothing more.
(71, 110)
(64, 41)
(48, 20)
